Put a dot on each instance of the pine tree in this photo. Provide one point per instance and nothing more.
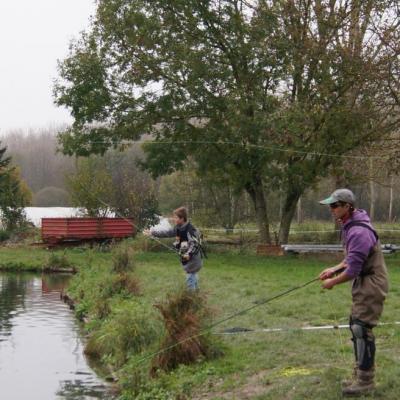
(14, 194)
(4, 161)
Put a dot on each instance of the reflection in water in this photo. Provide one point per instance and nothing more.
(12, 299)
(41, 351)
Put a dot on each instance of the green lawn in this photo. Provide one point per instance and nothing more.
(26, 258)
(293, 364)
(284, 365)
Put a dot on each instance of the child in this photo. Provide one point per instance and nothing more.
(188, 244)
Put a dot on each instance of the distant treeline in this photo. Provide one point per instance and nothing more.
(42, 167)
(48, 174)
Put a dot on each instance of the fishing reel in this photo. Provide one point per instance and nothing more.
(183, 249)
(177, 245)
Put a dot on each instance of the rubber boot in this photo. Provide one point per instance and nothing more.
(363, 385)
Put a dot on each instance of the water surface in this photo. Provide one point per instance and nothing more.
(41, 346)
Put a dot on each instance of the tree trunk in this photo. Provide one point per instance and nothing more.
(299, 212)
(340, 182)
(390, 216)
(289, 209)
(236, 202)
(371, 191)
(257, 195)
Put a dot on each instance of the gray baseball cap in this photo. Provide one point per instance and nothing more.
(344, 195)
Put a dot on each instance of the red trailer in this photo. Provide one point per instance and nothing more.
(69, 231)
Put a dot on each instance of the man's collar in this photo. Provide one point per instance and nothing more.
(345, 218)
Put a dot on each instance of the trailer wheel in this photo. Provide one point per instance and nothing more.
(105, 245)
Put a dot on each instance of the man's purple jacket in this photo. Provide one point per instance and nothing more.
(358, 242)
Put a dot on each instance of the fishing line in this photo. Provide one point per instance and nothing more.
(136, 227)
(129, 221)
(219, 322)
(245, 145)
(244, 331)
(342, 349)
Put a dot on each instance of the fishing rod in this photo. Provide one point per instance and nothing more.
(136, 227)
(256, 304)
(221, 321)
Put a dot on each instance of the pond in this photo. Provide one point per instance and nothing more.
(41, 343)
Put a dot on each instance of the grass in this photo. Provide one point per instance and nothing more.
(185, 316)
(290, 365)
(30, 258)
(256, 365)
(283, 365)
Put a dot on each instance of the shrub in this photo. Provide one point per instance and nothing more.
(126, 282)
(185, 315)
(92, 289)
(4, 235)
(56, 261)
(127, 331)
(123, 259)
(95, 286)
(123, 266)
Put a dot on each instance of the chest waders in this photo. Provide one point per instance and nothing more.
(369, 291)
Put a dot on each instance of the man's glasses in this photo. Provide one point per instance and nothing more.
(334, 205)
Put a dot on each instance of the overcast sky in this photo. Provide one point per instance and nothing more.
(33, 35)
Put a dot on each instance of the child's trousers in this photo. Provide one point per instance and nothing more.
(192, 281)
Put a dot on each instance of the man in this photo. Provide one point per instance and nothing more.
(365, 266)
(188, 245)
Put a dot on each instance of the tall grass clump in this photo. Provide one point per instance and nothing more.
(58, 262)
(126, 332)
(123, 259)
(185, 315)
(91, 289)
(95, 286)
(123, 267)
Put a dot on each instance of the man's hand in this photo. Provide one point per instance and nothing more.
(328, 284)
(186, 257)
(147, 232)
(327, 273)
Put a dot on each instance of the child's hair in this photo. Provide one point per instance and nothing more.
(181, 212)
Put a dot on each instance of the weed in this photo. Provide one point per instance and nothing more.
(127, 331)
(123, 261)
(58, 262)
(127, 282)
(184, 314)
